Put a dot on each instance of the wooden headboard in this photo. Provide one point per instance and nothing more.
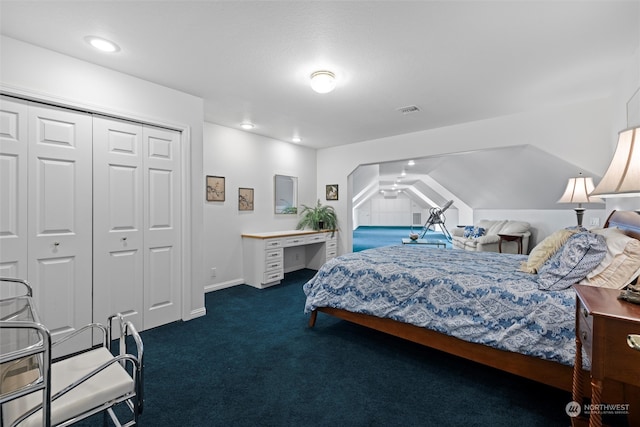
(627, 221)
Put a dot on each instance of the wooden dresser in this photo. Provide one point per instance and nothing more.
(602, 325)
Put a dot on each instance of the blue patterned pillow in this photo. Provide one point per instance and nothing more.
(576, 258)
(468, 231)
(477, 232)
(472, 232)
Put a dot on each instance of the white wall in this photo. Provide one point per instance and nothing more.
(580, 133)
(36, 73)
(248, 160)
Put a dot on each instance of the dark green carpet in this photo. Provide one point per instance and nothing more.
(368, 236)
(252, 361)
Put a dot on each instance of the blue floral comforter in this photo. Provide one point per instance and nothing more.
(479, 297)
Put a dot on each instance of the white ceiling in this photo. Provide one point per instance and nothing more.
(458, 61)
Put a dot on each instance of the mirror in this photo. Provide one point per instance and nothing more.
(286, 194)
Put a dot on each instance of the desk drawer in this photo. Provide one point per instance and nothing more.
(273, 276)
(316, 238)
(272, 243)
(273, 255)
(275, 264)
(295, 241)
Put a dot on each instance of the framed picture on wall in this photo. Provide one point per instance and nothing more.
(245, 199)
(215, 189)
(332, 192)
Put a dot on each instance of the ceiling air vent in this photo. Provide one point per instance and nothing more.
(409, 109)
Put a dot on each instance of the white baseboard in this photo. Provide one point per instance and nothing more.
(198, 313)
(223, 285)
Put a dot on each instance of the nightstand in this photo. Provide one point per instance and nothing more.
(510, 238)
(602, 325)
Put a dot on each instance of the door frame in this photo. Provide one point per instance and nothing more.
(186, 256)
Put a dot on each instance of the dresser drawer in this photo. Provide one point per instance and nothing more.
(585, 331)
(623, 361)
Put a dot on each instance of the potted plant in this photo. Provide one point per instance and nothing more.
(318, 217)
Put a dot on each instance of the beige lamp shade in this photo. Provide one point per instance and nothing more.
(622, 178)
(578, 190)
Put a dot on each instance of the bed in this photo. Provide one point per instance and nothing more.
(476, 305)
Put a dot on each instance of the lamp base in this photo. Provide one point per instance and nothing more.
(579, 215)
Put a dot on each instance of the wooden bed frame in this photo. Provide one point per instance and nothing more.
(543, 371)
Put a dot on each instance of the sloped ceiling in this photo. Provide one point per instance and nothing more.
(521, 177)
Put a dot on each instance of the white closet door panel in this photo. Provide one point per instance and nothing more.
(60, 218)
(160, 293)
(118, 220)
(57, 291)
(14, 146)
(162, 289)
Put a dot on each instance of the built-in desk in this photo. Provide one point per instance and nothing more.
(264, 253)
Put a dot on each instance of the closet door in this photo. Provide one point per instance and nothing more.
(136, 223)
(60, 217)
(13, 188)
(118, 220)
(162, 287)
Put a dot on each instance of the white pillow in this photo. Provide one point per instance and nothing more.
(620, 265)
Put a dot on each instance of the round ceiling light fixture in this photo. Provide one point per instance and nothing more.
(323, 81)
(101, 44)
(247, 125)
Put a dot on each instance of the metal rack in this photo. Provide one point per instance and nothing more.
(71, 389)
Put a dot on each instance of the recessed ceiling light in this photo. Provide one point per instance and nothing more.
(247, 125)
(411, 163)
(101, 44)
(323, 81)
(296, 139)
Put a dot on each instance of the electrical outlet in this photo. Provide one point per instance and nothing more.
(595, 221)
(213, 272)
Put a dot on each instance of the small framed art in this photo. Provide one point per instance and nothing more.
(332, 192)
(215, 189)
(245, 199)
